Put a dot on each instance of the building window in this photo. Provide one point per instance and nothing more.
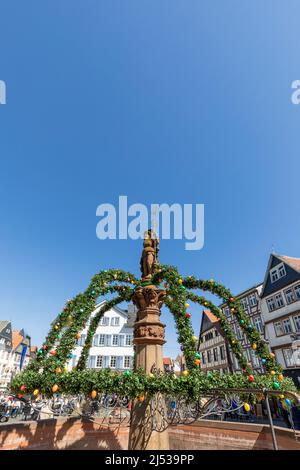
(209, 336)
(215, 352)
(248, 354)
(222, 352)
(239, 332)
(203, 358)
(216, 333)
(281, 270)
(297, 322)
(253, 300)
(287, 326)
(258, 324)
(277, 273)
(227, 312)
(271, 304)
(254, 358)
(289, 295)
(99, 361)
(104, 321)
(115, 321)
(274, 275)
(244, 303)
(288, 357)
(115, 340)
(101, 340)
(297, 291)
(113, 361)
(278, 328)
(128, 340)
(279, 300)
(208, 356)
(127, 362)
(81, 340)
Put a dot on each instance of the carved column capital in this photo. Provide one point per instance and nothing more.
(148, 328)
(149, 297)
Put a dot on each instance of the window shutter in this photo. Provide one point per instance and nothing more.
(108, 340)
(96, 340)
(119, 363)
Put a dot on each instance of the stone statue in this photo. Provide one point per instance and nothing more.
(149, 259)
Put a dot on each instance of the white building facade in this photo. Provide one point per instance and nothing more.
(280, 307)
(15, 348)
(112, 345)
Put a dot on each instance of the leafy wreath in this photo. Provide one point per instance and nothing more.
(47, 374)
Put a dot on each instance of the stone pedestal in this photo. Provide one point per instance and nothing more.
(149, 338)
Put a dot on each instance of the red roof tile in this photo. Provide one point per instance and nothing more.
(211, 316)
(16, 339)
(167, 361)
(293, 262)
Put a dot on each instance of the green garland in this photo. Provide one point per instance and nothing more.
(133, 385)
(48, 369)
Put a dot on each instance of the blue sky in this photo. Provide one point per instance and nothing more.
(186, 102)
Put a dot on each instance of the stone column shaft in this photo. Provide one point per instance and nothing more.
(149, 334)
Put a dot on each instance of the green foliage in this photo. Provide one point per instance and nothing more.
(193, 386)
(43, 373)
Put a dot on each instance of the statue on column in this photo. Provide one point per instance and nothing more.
(149, 259)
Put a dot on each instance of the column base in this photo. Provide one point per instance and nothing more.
(141, 435)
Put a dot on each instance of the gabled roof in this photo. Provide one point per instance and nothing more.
(117, 309)
(17, 339)
(208, 319)
(167, 361)
(3, 324)
(212, 318)
(293, 263)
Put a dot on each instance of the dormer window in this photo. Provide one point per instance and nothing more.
(278, 272)
(281, 270)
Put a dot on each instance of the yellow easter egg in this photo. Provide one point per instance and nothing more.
(246, 407)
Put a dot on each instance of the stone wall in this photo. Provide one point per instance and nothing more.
(63, 433)
(217, 435)
(75, 433)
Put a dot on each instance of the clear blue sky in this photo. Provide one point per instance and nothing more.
(170, 101)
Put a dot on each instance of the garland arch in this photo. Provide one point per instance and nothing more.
(47, 373)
